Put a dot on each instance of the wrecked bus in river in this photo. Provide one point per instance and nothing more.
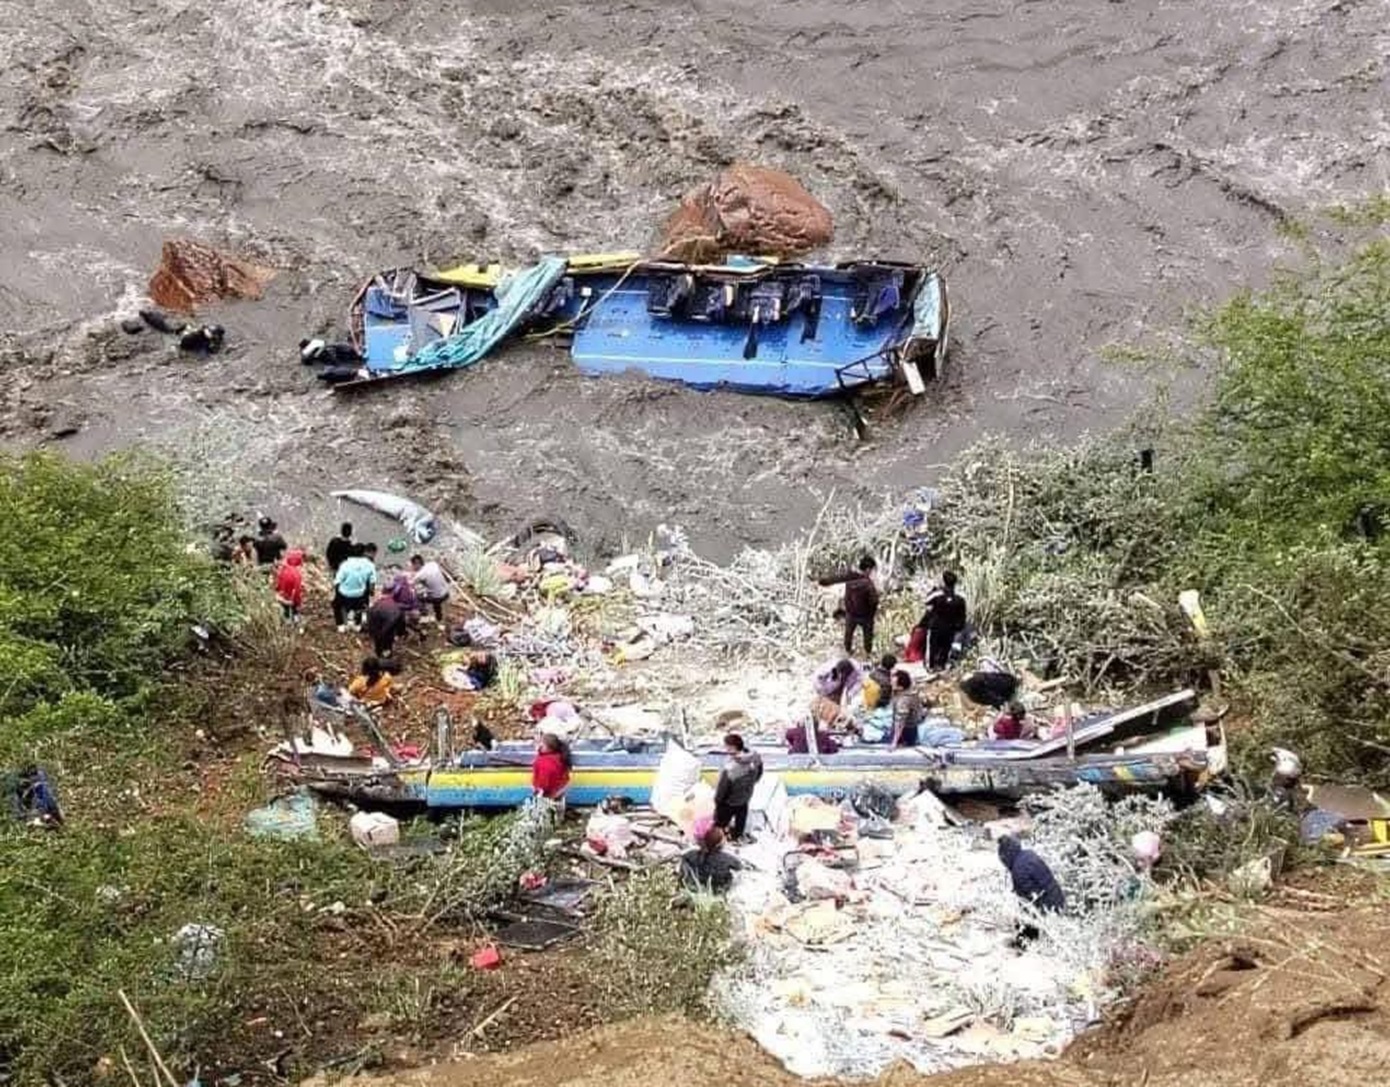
(750, 325)
(1157, 747)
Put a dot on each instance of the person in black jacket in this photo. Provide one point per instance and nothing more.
(270, 546)
(1033, 881)
(942, 619)
(339, 548)
(861, 602)
(734, 791)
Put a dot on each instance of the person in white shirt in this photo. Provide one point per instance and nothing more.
(431, 583)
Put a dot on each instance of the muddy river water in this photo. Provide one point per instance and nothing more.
(1084, 172)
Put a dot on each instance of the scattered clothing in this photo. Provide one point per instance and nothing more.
(203, 340)
(709, 870)
(317, 352)
(989, 688)
(1032, 879)
(31, 796)
(289, 584)
(876, 726)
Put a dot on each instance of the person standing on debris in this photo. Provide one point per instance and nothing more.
(734, 791)
(340, 548)
(709, 867)
(289, 585)
(1032, 880)
(860, 603)
(550, 772)
(352, 585)
(269, 544)
(908, 710)
(372, 684)
(432, 584)
(942, 621)
(385, 622)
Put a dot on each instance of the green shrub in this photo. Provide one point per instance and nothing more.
(97, 591)
(1261, 501)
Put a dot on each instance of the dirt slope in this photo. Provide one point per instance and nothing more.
(1300, 999)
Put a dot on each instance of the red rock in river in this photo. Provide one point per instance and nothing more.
(191, 273)
(746, 209)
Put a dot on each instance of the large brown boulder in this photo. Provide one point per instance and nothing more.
(191, 273)
(746, 209)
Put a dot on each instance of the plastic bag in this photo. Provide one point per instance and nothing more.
(676, 776)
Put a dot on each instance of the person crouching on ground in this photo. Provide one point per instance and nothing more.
(403, 593)
(734, 791)
(385, 622)
(433, 586)
(550, 771)
(1013, 724)
(709, 866)
(798, 742)
(878, 685)
(372, 684)
(860, 602)
(352, 587)
(836, 684)
(289, 585)
(1033, 882)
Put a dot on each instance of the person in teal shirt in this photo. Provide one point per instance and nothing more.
(352, 587)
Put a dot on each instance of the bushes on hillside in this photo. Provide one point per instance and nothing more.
(1274, 502)
(97, 591)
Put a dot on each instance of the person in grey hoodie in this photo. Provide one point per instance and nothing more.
(737, 780)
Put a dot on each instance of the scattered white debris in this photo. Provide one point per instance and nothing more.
(903, 948)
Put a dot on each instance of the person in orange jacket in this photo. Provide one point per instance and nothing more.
(289, 585)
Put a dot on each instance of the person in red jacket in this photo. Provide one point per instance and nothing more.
(550, 772)
(289, 585)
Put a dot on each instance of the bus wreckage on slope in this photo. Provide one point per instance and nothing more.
(1160, 746)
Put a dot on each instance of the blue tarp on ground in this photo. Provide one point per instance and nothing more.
(517, 296)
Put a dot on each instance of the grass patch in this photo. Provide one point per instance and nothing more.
(650, 958)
